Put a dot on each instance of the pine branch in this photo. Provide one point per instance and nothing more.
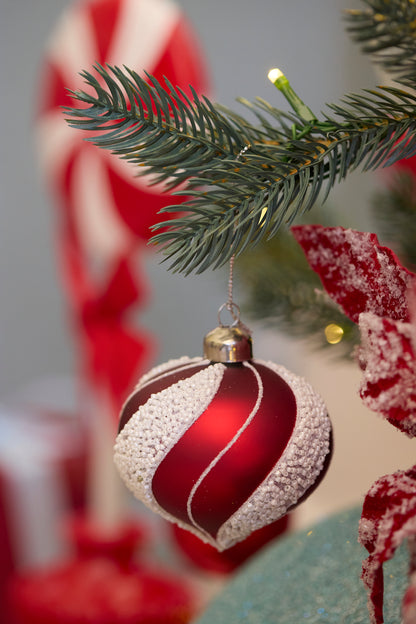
(174, 138)
(243, 180)
(387, 31)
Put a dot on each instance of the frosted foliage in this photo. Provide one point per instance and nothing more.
(356, 271)
(388, 518)
(388, 357)
(375, 290)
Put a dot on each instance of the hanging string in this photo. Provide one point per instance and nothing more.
(232, 307)
(230, 285)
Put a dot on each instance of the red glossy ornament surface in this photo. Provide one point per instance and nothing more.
(239, 471)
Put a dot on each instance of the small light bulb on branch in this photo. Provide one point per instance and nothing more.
(274, 74)
(277, 77)
(263, 215)
(334, 333)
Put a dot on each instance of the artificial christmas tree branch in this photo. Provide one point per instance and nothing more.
(195, 145)
(200, 147)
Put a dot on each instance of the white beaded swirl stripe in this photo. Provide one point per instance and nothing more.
(155, 428)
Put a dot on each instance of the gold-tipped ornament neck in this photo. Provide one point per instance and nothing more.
(229, 344)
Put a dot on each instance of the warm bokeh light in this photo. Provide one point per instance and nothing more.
(334, 333)
(274, 74)
(263, 215)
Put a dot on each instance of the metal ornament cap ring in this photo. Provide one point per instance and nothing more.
(229, 344)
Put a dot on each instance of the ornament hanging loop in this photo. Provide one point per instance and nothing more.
(232, 307)
(234, 310)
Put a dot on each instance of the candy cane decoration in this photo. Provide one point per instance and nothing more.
(104, 210)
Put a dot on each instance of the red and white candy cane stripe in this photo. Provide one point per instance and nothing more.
(110, 204)
(104, 209)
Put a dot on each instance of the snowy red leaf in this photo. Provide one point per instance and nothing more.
(388, 517)
(356, 271)
(388, 357)
(371, 286)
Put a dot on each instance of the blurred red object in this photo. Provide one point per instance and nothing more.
(209, 558)
(43, 465)
(102, 585)
(7, 563)
(90, 539)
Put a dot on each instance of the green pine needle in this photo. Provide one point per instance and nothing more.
(394, 210)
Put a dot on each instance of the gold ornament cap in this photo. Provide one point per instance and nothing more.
(229, 344)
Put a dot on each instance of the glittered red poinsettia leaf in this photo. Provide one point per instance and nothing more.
(388, 358)
(388, 518)
(356, 271)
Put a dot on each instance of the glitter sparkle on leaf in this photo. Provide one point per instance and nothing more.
(356, 271)
(371, 286)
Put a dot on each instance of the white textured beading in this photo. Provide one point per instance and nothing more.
(157, 425)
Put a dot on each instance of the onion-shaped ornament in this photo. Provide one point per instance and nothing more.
(225, 444)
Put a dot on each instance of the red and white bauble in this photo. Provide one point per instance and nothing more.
(223, 445)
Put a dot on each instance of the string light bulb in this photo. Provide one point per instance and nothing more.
(277, 77)
(274, 74)
(334, 333)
